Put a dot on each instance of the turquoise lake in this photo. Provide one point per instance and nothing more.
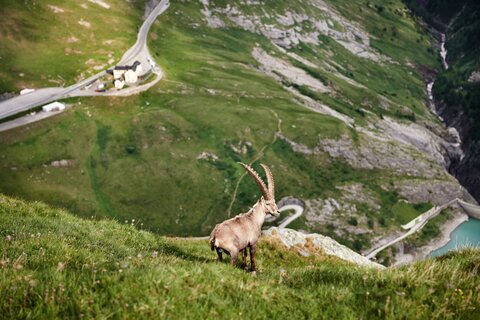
(466, 234)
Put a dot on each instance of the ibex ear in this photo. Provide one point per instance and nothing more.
(263, 201)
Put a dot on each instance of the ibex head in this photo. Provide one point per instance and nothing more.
(268, 198)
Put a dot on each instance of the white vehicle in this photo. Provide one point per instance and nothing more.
(25, 91)
(152, 63)
(54, 106)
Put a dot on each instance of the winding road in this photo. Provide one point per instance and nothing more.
(139, 51)
(298, 212)
(289, 203)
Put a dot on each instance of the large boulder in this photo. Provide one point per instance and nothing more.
(308, 244)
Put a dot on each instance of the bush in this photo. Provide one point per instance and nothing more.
(353, 221)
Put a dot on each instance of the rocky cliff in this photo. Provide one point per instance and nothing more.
(457, 86)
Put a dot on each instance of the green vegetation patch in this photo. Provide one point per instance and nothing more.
(404, 212)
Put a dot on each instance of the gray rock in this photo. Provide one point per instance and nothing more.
(62, 163)
(295, 27)
(294, 239)
(437, 192)
(474, 77)
(381, 153)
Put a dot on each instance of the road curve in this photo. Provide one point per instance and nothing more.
(298, 212)
(289, 203)
(139, 51)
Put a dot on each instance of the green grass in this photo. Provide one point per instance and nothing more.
(52, 49)
(55, 265)
(404, 212)
(394, 31)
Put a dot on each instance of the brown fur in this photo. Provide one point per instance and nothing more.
(237, 234)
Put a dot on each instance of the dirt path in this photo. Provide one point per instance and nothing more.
(259, 155)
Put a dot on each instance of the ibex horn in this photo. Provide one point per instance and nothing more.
(271, 182)
(258, 180)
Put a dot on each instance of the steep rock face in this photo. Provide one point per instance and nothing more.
(466, 168)
(457, 88)
(308, 244)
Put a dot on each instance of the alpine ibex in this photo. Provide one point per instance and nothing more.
(241, 232)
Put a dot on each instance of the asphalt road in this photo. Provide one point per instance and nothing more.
(288, 203)
(298, 212)
(139, 51)
(27, 119)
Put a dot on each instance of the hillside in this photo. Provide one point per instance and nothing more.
(57, 43)
(330, 94)
(53, 264)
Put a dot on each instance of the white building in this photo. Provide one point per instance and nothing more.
(127, 74)
(131, 76)
(118, 71)
(119, 83)
(54, 106)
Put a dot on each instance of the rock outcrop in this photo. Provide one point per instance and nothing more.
(309, 244)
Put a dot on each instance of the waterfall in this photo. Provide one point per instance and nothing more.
(455, 140)
(431, 102)
(443, 52)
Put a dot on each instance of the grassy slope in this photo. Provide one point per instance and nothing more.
(136, 157)
(53, 264)
(62, 48)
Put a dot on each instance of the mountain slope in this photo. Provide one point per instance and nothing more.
(329, 94)
(53, 264)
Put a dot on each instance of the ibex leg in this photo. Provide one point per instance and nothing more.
(233, 255)
(219, 253)
(253, 249)
(244, 259)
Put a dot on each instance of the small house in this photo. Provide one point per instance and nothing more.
(118, 71)
(127, 74)
(131, 76)
(137, 67)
